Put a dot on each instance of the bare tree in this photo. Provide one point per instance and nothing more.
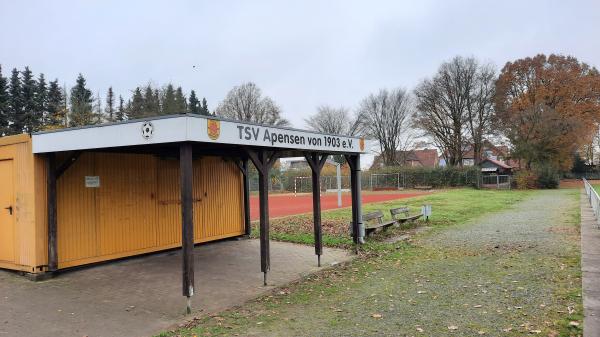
(334, 121)
(385, 117)
(455, 107)
(480, 107)
(246, 103)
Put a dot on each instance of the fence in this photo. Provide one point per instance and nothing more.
(497, 181)
(391, 179)
(592, 196)
(411, 178)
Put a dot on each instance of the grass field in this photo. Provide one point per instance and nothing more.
(448, 208)
(463, 277)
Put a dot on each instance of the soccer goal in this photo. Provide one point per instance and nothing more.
(386, 181)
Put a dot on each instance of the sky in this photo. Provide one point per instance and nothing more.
(300, 53)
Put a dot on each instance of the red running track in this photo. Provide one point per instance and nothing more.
(288, 204)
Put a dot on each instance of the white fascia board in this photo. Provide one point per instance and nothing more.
(112, 135)
(195, 129)
(231, 132)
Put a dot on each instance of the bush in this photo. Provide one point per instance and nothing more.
(437, 177)
(547, 177)
(544, 176)
(526, 179)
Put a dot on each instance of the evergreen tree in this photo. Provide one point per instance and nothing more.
(82, 103)
(157, 100)
(136, 108)
(65, 108)
(55, 106)
(30, 116)
(168, 100)
(4, 105)
(15, 103)
(41, 102)
(204, 109)
(110, 105)
(98, 107)
(121, 114)
(194, 103)
(151, 104)
(180, 101)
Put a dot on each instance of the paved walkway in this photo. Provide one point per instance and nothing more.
(142, 296)
(590, 265)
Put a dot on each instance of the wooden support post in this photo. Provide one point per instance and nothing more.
(263, 164)
(52, 213)
(187, 221)
(316, 164)
(354, 163)
(247, 222)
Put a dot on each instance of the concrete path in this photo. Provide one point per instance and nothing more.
(142, 296)
(590, 265)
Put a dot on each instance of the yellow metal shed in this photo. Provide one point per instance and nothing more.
(76, 196)
(131, 205)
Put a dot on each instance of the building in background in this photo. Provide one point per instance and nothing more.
(411, 158)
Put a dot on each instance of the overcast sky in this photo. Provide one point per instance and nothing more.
(301, 53)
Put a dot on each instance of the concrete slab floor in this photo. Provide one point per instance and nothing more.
(142, 296)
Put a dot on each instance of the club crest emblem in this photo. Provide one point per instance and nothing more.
(361, 143)
(213, 128)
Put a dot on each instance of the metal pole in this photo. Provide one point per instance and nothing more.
(52, 213)
(263, 191)
(338, 171)
(187, 223)
(357, 227)
(316, 186)
(247, 221)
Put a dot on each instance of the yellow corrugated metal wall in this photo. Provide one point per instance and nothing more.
(17, 150)
(136, 209)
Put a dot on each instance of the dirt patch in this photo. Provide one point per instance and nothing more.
(288, 204)
(572, 183)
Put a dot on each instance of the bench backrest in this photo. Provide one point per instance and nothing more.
(375, 215)
(404, 210)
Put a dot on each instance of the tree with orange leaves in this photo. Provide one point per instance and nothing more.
(547, 106)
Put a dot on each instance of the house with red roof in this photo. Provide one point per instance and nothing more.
(411, 158)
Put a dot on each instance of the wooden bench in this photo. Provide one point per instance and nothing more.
(374, 220)
(402, 214)
(423, 187)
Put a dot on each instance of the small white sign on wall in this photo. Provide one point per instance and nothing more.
(92, 181)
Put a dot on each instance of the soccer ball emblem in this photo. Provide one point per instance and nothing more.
(147, 129)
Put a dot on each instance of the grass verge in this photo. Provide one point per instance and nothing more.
(503, 278)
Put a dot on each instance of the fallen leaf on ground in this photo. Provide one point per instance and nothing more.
(452, 327)
(376, 316)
